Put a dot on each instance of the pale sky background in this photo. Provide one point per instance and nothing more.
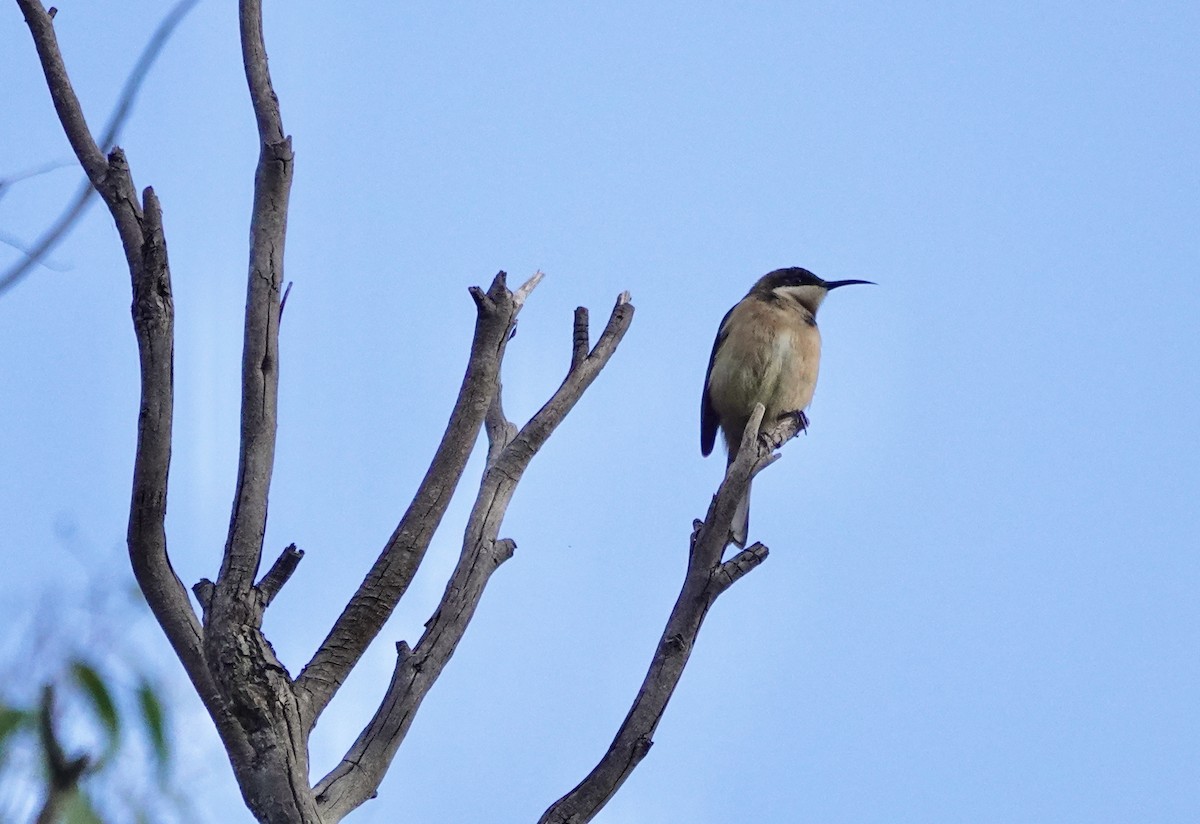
(981, 602)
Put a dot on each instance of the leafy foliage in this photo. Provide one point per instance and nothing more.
(84, 724)
(100, 700)
(154, 720)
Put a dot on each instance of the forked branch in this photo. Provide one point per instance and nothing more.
(357, 777)
(393, 571)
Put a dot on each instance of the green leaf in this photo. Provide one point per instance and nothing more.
(101, 700)
(155, 720)
(79, 810)
(12, 720)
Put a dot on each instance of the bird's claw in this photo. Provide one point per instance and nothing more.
(772, 439)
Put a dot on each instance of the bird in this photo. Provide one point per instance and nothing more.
(768, 350)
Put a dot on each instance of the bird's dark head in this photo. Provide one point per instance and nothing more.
(799, 285)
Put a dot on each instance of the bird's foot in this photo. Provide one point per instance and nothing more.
(801, 420)
(771, 438)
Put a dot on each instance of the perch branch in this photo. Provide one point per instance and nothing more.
(706, 578)
(393, 571)
(357, 777)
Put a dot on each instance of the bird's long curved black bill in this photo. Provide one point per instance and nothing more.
(833, 284)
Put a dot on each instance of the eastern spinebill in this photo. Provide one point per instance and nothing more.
(767, 351)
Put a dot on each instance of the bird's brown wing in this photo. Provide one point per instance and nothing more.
(708, 415)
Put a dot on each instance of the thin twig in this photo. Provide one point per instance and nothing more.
(50, 238)
(17, 244)
(283, 300)
(116, 121)
(37, 171)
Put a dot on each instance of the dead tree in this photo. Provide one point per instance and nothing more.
(263, 715)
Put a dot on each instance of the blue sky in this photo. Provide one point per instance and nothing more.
(980, 603)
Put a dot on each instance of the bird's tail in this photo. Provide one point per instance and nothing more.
(741, 521)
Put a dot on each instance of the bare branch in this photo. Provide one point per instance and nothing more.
(258, 76)
(393, 571)
(78, 204)
(260, 347)
(579, 378)
(70, 114)
(109, 176)
(357, 777)
(272, 765)
(707, 577)
(153, 321)
(278, 574)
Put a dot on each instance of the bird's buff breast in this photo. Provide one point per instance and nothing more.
(773, 361)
